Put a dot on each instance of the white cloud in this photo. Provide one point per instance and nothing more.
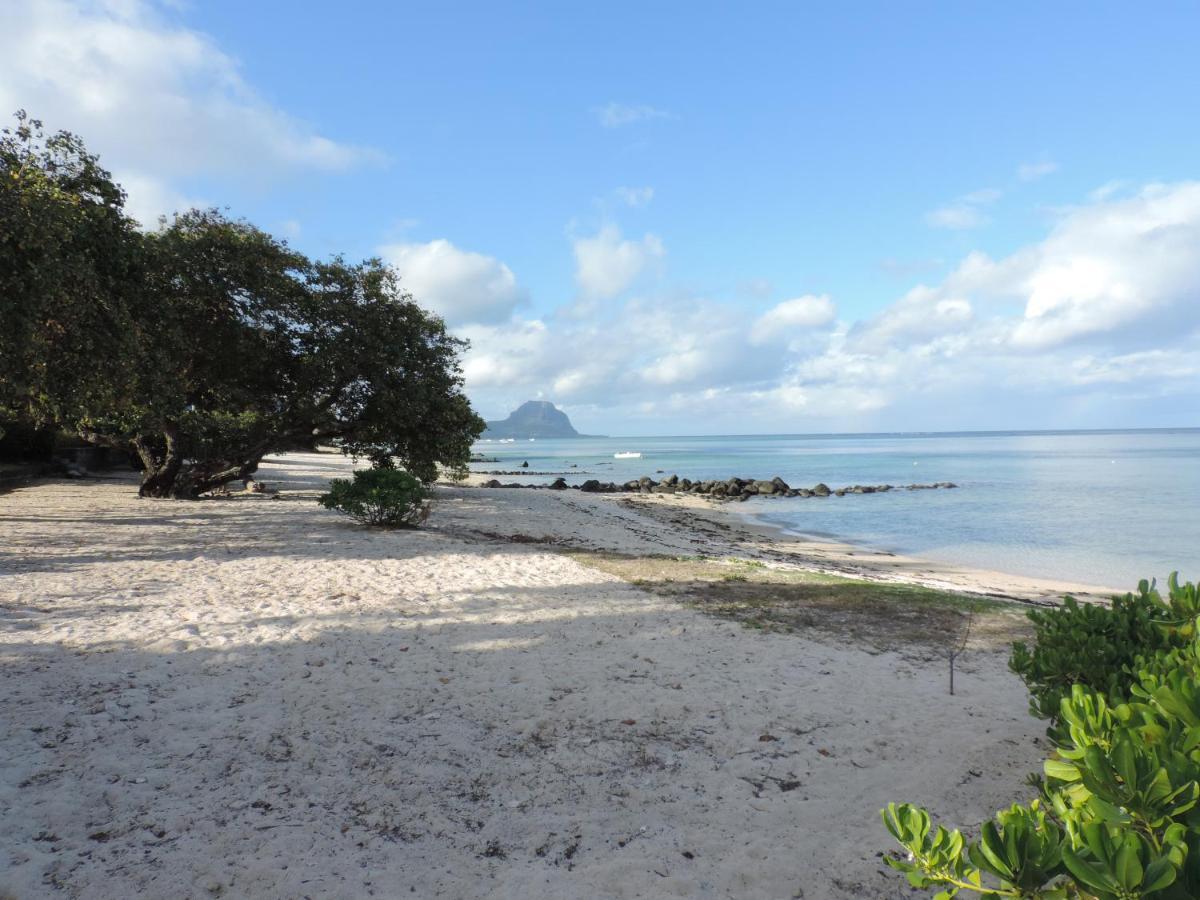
(801, 314)
(618, 115)
(606, 264)
(957, 217)
(1161, 366)
(635, 196)
(1104, 310)
(159, 103)
(459, 285)
(1106, 190)
(1035, 170)
(1125, 264)
(964, 213)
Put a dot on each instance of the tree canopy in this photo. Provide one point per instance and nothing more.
(206, 344)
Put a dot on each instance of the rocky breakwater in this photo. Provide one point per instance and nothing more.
(730, 489)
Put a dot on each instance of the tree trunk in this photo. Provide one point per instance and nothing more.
(160, 473)
(166, 474)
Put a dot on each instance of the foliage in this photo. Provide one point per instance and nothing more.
(1091, 645)
(208, 343)
(68, 258)
(381, 496)
(1118, 814)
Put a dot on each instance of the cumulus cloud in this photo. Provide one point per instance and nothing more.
(1125, 264)
(1105, 309)
(459, 285)
(785, 319)
(606, 264)
(160, 103)
(618, 115)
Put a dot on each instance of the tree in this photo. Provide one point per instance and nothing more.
(250, 348)
(68, 262)
(208, 344)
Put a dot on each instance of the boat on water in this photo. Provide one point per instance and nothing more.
(627, 454)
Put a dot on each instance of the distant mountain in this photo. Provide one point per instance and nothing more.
(534, 419)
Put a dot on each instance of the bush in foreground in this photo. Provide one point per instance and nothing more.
(382, 497)
(1091, 645)
(1118, 816)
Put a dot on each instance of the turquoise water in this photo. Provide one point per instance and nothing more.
(1101, 508)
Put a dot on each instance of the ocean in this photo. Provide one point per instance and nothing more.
(1103, 508)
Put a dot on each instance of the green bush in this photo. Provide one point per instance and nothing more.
(1091, 645)
(384, 497)
(1118, 816)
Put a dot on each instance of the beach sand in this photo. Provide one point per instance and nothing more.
(255, 697)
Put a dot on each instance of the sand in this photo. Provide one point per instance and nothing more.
(254, 697)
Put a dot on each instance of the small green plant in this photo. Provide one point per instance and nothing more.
(381, 497)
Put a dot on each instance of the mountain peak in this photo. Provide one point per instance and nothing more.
(533, 419)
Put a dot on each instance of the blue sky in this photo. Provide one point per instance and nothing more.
(695, 218)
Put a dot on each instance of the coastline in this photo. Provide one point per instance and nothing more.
(541, 694)
(729, 529)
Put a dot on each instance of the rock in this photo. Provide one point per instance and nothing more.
(767, 488)
(821, 490)
(781, 486)
(493, 483)
(674, 479)
(841, 492)
(558, 484)
(591, 486)
(525, 465)
(685, 485)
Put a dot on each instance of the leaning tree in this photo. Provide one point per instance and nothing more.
(207, 344)
(249, 348)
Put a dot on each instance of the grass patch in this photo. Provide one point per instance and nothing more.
(885, 615)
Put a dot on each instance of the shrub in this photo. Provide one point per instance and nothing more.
(1090, 645)
(1118, 815)
(384, 497)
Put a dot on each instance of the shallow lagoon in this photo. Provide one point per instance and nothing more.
(1104, 508)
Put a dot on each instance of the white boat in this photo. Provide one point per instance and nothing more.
(627, 454)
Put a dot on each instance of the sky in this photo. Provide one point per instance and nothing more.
(682, 218)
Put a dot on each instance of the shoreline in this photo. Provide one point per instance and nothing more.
(746, 533)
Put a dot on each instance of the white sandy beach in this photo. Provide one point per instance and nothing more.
(255, 697)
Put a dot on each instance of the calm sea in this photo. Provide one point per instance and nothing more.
(1097, 507)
